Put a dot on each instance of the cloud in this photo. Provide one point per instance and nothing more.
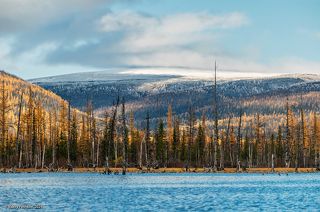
(298, 65)
(5, 46)
(21, 15)
(125, 21)
(146, 32)
(130, 38)
(47, 37)
(178, 40)
(177, 23)
(196, 73)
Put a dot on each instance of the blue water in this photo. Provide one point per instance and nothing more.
(164, 192)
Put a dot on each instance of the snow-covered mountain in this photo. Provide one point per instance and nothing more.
(154, 92)
(101, 76)
(151, 74)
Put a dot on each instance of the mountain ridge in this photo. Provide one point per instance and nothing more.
(143, 93)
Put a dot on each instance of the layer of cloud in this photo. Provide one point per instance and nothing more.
(134, 39)
(18, 15)
(151, 33)
(83, 35)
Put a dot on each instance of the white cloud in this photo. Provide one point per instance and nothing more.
(17, 15)
(196, 73)
(38, 54)
(298, 65)
(33, 61)
(150, 33)
(164, 41)
(126, 38)
(199, 64)
(125, 21)
(5, 46)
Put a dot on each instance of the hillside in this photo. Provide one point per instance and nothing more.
(34, 124)
(16, 87)
(154, 93)
(48, 137)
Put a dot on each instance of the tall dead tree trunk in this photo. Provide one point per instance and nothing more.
(69, 134)
(43, 155)
(223, 144)
(54, 141)
(141, 153)
(124, 140)
(147, 142)
(191, 135)
(18, 139)
(303, 136)
(239, 141)
(288, 136)
(251, 146)
(216, 130)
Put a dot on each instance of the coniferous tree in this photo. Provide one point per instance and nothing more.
(200, 145)
(160, 144)
(112, 150)
(183, 148)
(244, 156)
(191, 123)
(176, 141)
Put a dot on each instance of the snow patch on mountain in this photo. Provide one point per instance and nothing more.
(107, 75)
(152, 74)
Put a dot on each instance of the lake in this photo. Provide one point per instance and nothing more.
(164, 192)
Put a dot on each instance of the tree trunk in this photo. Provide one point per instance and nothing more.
(18, 141)
(272, 163)
(20, 153)
(141, 153)
(216, 130)
(43, 155)
(146, 154)
(69, 134)
(239, 141)
(97, 154)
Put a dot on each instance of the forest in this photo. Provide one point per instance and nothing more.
(38, 129)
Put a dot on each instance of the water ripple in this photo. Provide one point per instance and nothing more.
(163, 192)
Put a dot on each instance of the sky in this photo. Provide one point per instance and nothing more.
(53, 37)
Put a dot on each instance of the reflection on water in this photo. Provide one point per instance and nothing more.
(167, 192)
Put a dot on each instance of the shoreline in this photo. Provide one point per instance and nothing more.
(163, 170)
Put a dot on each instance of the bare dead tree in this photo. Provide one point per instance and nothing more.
(18, 139)
(215, 109)
(69, 133)
(239, 140)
